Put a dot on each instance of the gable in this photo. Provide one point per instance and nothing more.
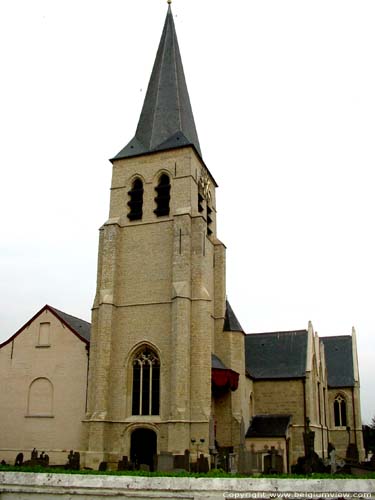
(77, 326)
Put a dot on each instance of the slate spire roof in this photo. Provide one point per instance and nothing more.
(231, 323)
(166, 119)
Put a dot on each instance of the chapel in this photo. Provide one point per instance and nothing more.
(165, 371)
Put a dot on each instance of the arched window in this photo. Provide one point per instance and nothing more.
(339, 409)
(40, 398)
(136, 200)
(146, 383)
(163, 197)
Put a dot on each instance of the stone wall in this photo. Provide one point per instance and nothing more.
(20, 486)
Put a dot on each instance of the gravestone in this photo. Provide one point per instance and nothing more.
(182, 462)
(74, 459)
(203, 465)
(103, 466)
(123, 464)
(273, 462)
(165, 462)
(19, 459)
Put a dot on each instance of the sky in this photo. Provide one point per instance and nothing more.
(284, 104)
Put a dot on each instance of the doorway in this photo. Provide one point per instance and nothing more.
(143, 447)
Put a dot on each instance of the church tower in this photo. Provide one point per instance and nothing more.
(160, 285)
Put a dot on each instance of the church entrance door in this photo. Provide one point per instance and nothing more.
(143, 447)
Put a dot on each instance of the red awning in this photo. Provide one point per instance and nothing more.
(224, 379)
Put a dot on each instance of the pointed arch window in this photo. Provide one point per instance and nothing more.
(136, 200)
(146, 383)
(163, 190)
(339, 410)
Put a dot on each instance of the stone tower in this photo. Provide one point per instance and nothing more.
(160, 285)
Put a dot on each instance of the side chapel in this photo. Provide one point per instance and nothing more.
(165, 366)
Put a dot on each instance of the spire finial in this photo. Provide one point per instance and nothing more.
(169, 2)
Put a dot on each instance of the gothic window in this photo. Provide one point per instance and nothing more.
(146, 383)
(339, 409)
(136, 200)
(163, 197)
(40, 398)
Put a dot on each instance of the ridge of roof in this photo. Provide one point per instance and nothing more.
(282, 332)
(166, 119)
(335, 337)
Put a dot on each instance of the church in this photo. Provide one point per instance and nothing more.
(165, 370)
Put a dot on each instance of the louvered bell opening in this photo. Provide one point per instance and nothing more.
(209, 221)
(200, 203)
(136, 201)
(163, 197)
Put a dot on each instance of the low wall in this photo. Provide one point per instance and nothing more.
(31, 486)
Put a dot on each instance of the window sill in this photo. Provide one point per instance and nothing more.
(43, 345)
(144, 418)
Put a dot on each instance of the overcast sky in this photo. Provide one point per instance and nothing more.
(284, 104)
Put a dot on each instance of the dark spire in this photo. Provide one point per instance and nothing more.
(166, 119)
(231, 323)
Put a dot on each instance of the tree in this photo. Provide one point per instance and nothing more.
(369, 436)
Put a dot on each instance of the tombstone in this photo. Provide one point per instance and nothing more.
(311, 462)
(273, 462)
(187, 460)
(19, 459)
(73, 460)
(43, 459)
(352, 454)
(332, 461)
(103, 466)
(182, 462)
(3, 462)
(232, 463)
(165, 462)
(123, 464)
(34, 458)
(202, 464)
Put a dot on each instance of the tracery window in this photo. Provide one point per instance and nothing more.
(146, 383)
(163, 197)
(136, 200)
(339, 409)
